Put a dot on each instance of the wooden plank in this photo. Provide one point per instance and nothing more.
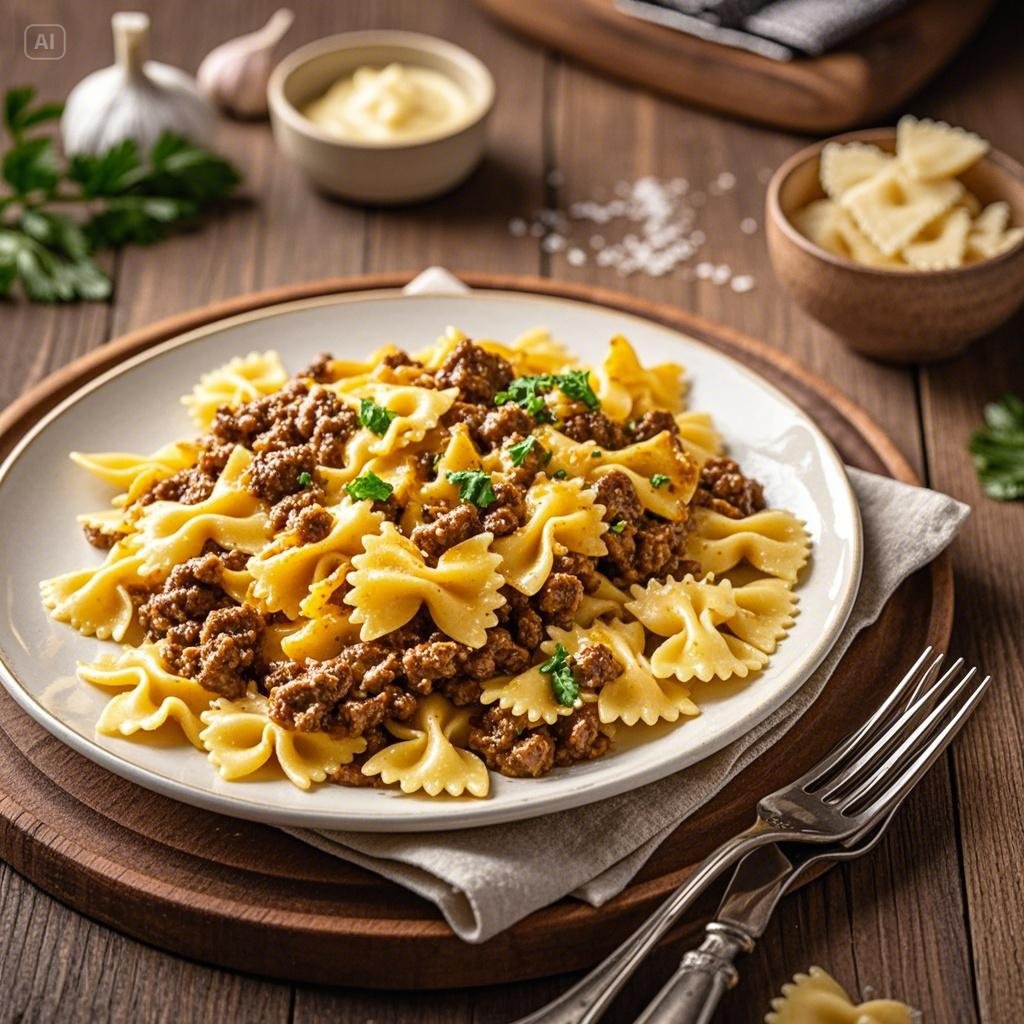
(62, 966)
(850, 923)
(989, 773)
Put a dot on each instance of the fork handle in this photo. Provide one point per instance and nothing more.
(691, 995)
(588, 999)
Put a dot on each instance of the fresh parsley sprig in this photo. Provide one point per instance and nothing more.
(122, 197)
(559, 672)
(474, 486)
(520, 451)
(528, 392)
(998, 449)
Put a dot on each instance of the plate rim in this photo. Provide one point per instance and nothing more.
(345, 291)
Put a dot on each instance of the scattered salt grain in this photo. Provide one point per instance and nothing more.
(652, 228)
(748, 226)
(741, 283)
(764, 174)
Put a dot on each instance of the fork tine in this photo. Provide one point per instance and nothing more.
(868, 774)
(899, 787)
(882, 713)
(862, 760)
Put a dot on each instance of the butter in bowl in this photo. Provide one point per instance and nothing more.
(382, 117)
(907, 242)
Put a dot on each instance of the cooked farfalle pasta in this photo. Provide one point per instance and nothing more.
(626, 389)
(392, 580)
(240, 739)
(284, 570)
(431, 754)
(231, 518)
(152, 697)
(561, 516)
(410, 572)
(690, 613)
(816, 996)
(773, 540)
(243, 379)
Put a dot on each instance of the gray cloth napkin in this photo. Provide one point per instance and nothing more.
(485, 879)
(778, 29)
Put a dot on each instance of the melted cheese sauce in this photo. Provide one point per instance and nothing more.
(398, 103)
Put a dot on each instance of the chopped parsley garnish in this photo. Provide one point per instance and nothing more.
(305, 479)
(563, 682)
(375, 417)
(369, 487)
(618, 526)
(596, 453)
(519, 451)
(528, 392)
(576, 384)
(559, 474)
(998, 449)
(474, 486)
(658, 480)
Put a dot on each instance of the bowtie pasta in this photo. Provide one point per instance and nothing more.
(908, 210)
(414, 572)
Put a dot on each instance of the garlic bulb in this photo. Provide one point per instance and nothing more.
(135, 98)
(234, 75)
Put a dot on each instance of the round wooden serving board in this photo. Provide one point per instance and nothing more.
(250, 897)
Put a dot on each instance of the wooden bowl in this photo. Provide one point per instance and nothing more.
(895, 315)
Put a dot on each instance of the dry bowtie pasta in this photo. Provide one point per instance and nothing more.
(415, 571)
(906, 211)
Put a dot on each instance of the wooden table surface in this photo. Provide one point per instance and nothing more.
(935, 915)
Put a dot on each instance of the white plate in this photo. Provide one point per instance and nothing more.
(135, 407)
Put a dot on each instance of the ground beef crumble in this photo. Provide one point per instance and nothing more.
(477, 373)
(723, 488)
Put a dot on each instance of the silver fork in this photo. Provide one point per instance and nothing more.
(858, 783)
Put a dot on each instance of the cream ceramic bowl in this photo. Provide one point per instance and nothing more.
(895, 315)
(378, 172)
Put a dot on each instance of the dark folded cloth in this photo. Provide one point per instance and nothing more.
(779, 29)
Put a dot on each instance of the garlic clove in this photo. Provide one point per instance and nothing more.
(135, 98)
(234, 76)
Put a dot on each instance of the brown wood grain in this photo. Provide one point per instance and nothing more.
(857, 82)
(936, 913)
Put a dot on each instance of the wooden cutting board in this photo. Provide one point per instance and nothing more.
(857, 84)
(249, 897)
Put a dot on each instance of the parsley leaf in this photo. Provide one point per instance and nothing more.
(375, 417)
(658, 480)
(305, 479)
(474, 486)
(618, 526)
(369, 487)
(528, 392)
(559, 474)
(125, 197)
(596, 453)
(563, 683)
(519, 451)
(576, 384)
(998, 449)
